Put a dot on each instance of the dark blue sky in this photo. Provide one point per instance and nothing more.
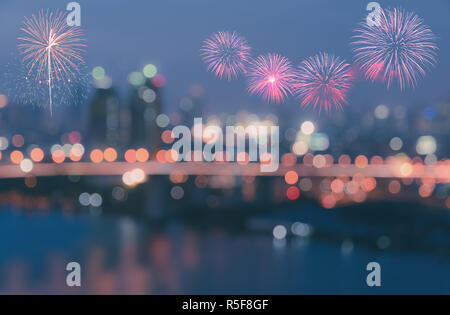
(125, 35)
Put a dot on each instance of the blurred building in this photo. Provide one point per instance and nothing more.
(103, 127)
(145, 106)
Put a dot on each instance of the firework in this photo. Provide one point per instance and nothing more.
(322, 81)
(23, 88)
(226, 54)
(51, 49)
(400, 49)
(270, 76)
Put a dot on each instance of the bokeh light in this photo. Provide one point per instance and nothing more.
(16, 157)
(291, 177)
(96, 156)
(149, 71)
(307, 127)
(142, 155)
(37, 155)
(110, 154)
(3, 100)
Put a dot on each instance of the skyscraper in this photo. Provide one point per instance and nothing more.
(145, 106)
(103, 125)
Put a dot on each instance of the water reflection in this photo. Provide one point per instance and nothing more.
(126, 256)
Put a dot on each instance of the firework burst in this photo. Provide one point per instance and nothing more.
(226, 54)
(51, 50)
(270, 76)
(322, 81)
(400, 49)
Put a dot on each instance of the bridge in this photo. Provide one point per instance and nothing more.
(439, 172)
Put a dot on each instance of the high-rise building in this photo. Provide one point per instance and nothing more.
(145, 107)
(103, 125)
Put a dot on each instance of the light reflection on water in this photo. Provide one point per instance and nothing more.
(125, 256)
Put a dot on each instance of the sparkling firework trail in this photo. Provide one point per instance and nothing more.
(322, 81)
(270, 76)
(226, 54)
(51, 49)
(402, 48)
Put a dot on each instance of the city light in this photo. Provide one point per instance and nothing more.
(307, 127)
(3, 100)
(149, 71)
(110, 154)
(37, 155)
(98, 73)
(279, 232)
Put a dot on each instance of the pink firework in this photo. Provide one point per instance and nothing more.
(400, 49)
(51, 49)
(323, 81)
(226, 54)
(270, 76)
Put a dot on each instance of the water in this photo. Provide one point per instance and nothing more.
(125, 255)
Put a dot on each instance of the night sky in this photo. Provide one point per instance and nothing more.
(123, 36)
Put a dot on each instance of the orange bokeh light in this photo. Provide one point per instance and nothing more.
(37, 155)
(161, 156)
(171, 156)
(3, 100)
(425, 190)
(75, 156)
(178, 177)
(130, 156)
(361, 161)
(291, 177)
(166, 136)
(328, 201)
(96, 156)
(337, 186)
(394, 187)
(110, 155)
(16, 157)
(142, 155)
(58, 156)
(376, 160)
(369, 184)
